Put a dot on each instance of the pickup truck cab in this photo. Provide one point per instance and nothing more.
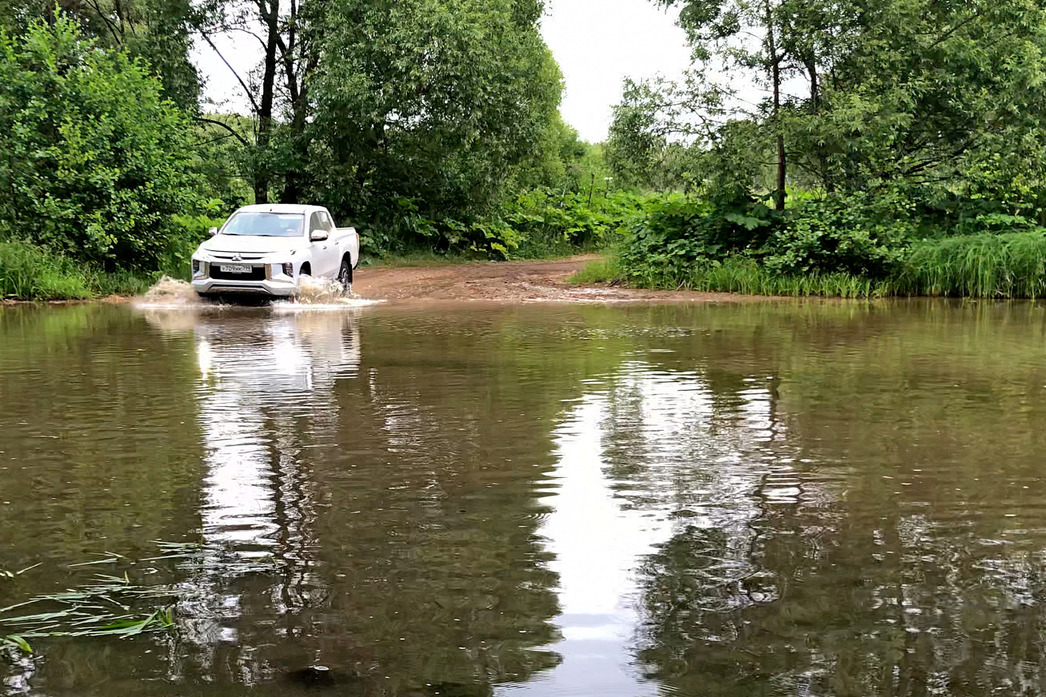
(266, 249)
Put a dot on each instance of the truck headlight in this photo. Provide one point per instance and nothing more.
(288, 268)
(195, 266)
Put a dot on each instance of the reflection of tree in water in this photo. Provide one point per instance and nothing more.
(898, 574)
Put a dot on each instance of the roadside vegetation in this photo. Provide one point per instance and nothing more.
(892, 147)
(896, 148)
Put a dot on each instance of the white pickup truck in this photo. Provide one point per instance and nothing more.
(266, 249)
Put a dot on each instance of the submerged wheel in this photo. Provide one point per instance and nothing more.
(345, 274)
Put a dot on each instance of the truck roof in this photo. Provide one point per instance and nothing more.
(282, 208)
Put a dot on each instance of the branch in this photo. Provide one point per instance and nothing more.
(944, 37)
(109, 25)
(246, 90)
(248, 32)
(227, 127)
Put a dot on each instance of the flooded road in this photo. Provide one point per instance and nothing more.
(795, 498)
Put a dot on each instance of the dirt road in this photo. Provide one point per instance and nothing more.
(519, 281)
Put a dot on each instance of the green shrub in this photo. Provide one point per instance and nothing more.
(187, 232)
(95, 162)
(861, 235)
(31, 273)
(675, 234)
(558, 223)
(537, 223)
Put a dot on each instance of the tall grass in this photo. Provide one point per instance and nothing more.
(607, 270)
(745, 276)
(986, 265)
(734, 275)
(30, 273)
(1008, 265)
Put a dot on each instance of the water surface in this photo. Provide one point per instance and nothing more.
(813, 498)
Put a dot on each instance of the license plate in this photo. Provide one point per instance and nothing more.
(234, 268)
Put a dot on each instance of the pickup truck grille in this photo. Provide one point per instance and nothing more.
(237, 256)
(257, 274)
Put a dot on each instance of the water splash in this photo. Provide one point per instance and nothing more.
(170, 292)
(321, 291)
(313, 294)
(323, 294)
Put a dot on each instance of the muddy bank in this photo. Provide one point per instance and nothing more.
(514, 281)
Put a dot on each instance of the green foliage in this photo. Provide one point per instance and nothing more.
(675, 233)
(548, 223)
(607, 270)
(986, 265)
(30, 273)
(424, 109)
(18, 642)
(863, 235)
(186, 234)
(744, 275)
(96, 162)
(852, 246)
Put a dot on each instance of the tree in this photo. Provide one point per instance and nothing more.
(940, 96)
(96, 161)
(428, 104)
(746, 35)
(157, 31)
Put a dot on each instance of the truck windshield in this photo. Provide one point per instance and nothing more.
(255, 224)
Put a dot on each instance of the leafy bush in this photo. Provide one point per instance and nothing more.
(186, 234)
(559, 223)
(862, 235)
(537, 223)
(96, 163)
(675, 234)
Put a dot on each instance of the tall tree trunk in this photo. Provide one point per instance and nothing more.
(775, 76)
(815, 108)
(296, 67)
(270, 12)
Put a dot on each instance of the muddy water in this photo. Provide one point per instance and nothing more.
(754, 499)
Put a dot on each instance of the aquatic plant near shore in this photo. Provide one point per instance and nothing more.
(100, 609)
(17, 642)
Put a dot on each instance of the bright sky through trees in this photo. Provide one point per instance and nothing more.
(598, 43)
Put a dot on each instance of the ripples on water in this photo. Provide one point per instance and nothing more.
(793, 499)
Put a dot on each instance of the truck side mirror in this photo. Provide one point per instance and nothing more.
(318, 235)
(212, 232)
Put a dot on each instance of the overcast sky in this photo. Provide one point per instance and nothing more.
(597, 43)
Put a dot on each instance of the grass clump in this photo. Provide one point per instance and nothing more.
(985, 265)
(28, 272)
(606, 270)
(740, 275)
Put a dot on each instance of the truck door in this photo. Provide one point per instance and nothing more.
(325, 261)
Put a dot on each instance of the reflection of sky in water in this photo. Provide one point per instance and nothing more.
(652, 454)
